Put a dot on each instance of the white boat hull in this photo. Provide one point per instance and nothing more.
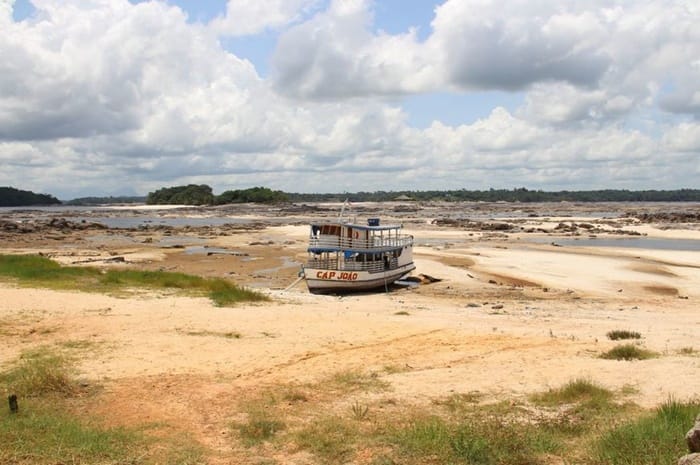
(324, 280)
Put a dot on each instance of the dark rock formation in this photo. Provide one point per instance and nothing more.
(692, 437)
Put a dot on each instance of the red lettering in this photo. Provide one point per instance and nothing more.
(342, 276)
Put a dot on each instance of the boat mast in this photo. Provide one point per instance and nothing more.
(342, 210)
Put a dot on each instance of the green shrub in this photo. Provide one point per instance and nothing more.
(628, 352)
(578, 390)
(623, 334)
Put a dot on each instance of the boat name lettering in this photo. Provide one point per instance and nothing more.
(341, 276)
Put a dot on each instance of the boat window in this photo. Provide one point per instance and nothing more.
(330, 229)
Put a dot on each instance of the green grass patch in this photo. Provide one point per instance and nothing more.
(39, 435)
(628, 352)
(264, 419)
(261, 425)
(34, 270)
(474, 440)
(331, 439)
(652, 439)
(578, 390)
(623, 334)
(44, 432)
(40, 372)
(460, 402)
(567, 424)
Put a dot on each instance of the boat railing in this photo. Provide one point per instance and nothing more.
(327, 263)
(346, 243)
(344, 265)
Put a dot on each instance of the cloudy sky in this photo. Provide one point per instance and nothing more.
(112, 97)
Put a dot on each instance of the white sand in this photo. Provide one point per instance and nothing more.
(508, 319)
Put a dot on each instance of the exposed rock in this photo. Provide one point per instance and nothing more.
(427, 279)
(690, 459)
(473, 225)
(9, 226)
(43, 225)
(692, 437)
(666, 217)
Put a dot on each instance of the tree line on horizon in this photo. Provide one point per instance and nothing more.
(202, 194)
(11, 197)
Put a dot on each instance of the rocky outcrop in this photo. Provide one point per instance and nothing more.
(666, 217)
(60, 224)
(692, 437)
(474, 225)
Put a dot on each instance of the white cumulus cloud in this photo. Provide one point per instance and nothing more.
(108, 96)
(248, 17)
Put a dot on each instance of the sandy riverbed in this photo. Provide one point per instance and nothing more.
(509, 317)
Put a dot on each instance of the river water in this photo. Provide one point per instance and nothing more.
(625, 242)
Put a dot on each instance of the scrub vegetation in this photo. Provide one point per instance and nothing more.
(350, 417)
(628, 352)
(579, 422)
(623, 334)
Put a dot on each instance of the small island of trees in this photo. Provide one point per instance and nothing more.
(11, 197)
(193, 194)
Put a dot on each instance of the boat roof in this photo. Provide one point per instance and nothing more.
(360, 226)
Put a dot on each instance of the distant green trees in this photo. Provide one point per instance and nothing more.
(191, 194)
(194, 194)
(106, 200)
(510, 195)
(11, 197)
(254, 194)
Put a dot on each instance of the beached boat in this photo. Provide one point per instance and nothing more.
(347, 256)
